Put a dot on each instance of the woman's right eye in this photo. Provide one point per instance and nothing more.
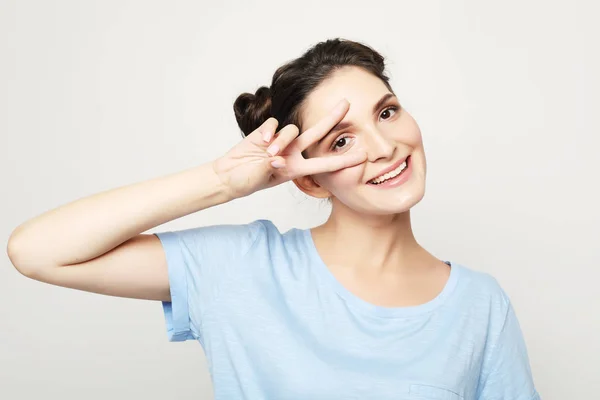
(343, 140)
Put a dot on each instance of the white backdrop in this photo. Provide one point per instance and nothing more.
(99, 94)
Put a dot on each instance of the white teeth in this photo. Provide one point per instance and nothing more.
(389, 175)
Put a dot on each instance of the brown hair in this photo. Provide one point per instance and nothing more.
(295, 80)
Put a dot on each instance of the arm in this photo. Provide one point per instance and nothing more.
(94, 243)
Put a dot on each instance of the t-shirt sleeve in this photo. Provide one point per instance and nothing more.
(506, 373)
(198, 259)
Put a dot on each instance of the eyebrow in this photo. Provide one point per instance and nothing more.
(345, 125)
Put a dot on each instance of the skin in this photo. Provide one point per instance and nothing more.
(367, 241)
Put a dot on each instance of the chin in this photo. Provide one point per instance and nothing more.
(388, 201)
(397, 204)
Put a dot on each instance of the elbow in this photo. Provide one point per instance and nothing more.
(15, 254)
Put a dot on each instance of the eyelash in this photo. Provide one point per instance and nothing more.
(344, 136)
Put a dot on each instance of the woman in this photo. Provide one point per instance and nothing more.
(352, 309)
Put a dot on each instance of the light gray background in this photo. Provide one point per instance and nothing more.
(99, 94)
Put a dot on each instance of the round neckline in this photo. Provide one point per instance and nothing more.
(372, 309)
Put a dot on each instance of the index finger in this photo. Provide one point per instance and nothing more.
(318, 165)
(324, 126)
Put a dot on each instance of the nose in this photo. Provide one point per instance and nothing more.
(379, 145)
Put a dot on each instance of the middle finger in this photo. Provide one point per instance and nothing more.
(319, 130)
(282, 139)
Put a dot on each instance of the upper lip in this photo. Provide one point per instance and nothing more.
(390, 168)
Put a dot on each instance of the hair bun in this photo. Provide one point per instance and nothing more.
(252, 110)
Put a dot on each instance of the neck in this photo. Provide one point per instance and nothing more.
(377, 244)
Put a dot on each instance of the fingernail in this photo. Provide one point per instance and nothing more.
(341, 104)
(266, 136)
(277, 164)
(273, 149)
(268, 129)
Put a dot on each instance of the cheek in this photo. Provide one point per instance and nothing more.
(344, 178)
(409, 132)
(417, 136)
(418, 139)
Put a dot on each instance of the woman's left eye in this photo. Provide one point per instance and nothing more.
(393, 108)
(343, 139)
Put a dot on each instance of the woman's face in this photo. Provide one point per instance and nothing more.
(388, 135)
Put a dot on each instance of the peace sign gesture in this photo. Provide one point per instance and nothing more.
(265, 159)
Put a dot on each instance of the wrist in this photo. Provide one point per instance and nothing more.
(220, 182)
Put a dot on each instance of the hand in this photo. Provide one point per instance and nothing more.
(247, 167)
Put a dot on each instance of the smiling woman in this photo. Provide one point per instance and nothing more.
(375, 125)
(353, 308)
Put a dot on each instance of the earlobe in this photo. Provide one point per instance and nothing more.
(309, 186)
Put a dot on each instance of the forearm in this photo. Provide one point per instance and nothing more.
(93, 225)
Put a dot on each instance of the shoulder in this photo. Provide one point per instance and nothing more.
(481, 293)
(257, 234)
(225, 240)
(482, 284)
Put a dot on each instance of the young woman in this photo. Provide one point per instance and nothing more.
(352, 309)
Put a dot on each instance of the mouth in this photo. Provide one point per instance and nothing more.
(396, 176)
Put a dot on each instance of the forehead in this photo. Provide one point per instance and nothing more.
(361, 88)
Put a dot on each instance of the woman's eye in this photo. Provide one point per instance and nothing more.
(340, 143)
(391, 108)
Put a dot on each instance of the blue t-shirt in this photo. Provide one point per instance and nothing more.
(275, 323)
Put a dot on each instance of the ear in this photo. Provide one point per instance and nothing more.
(309, 186)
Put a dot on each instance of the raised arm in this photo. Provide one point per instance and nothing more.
(95, 243)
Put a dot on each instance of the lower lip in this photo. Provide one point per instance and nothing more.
(398, 180)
